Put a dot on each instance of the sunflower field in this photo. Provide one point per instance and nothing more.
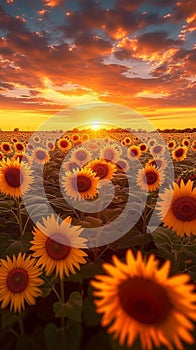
(97, 240)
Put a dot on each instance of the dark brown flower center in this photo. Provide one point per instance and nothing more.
(64, 143)
(17, 280)
(82, 183)
(81, 155)
(101, 170)
(150, 177)
(143, 147)
(6, 147)
(13, 177)
(75, 137)
(171, 144)
(179, 152)
(184, 208)
(58, 247)
(109, 154)
(186, 143)
(144, 300)
(41, 155)
(133, 152)
(19, 147)
(127, 140)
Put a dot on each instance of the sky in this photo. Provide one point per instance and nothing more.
(55, 54)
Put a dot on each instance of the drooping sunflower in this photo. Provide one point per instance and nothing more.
(179, 154)
(19, 282)
(80, 184)
(157, 150)
(19, 147)
(15, 177)
(134, 152)
(6, 147)
(110, 153)
(64, 145)
(81, 155)
(181, 213)
(159, 163)
(104, 170)
(41, 156)
(137, 298)
(149, 178)
(171, 144)
(57, 246)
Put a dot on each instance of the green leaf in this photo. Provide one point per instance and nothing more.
(8, 319)
(162, 236)
(14, 249)
(51, 336)
(89, 270)
(5, 241)
(73, 335)
(72, 309)
(90, 317)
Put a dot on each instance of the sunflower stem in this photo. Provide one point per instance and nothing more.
(21, 325)
(52, 287)
(62, 293)
(19, 216)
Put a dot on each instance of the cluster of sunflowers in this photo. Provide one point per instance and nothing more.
(134, 292)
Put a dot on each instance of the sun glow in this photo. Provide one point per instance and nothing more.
(96, 125)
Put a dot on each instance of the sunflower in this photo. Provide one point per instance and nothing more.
(104, 170)
(143, 147)
(151, 142)
(127, 141)
(80, 184)
(75, 137)
(134, 152)
(122, 165)
(36, 139)
(149, 178)
(57, 244)
(80, 155)
(41, 156)
(70, 166)
(138, 298)
(159, 163)
(6, 147)
(15, 177)
(171, 144)
(185, 143)
(30, 147)
(22, 158)
(19, 282)
(19, 147)
(64, 145)
(179, 154)
(110, 153)
(193, 145)
(84, 137)
(50, 145)
(14, 139)
(157, 150)
(181, 214)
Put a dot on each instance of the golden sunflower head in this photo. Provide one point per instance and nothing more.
(56, 244)
(20, 281)
(179, 154)
(110, 153)
(75, 137)
(143, 147)
(81, 155)
(19, 147)
(157, 150)
(186, 142)
(149, 178)
(103, 170)
(41, 156)
(80, 184)
(127, 141)
(137, 298)
(181, 210)
(159, 163)
(6, 147)
(171, 144)
(64, 144)
(134, 152)
(15, 177)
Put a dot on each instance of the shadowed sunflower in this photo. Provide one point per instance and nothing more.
(6, 147)
(80, 184)
(50, 146)
(110, 153)
(134, 152)
(179, 154)
(149, 178)
(70, 166)
(64, 145)
(181, 213)
(41, 156)
(15, 177)
(137, 298)
(159, 163)
(122, 165)
(157, 150)
(81, 156)
(57, 244)
(104, 170)
(19, 282)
